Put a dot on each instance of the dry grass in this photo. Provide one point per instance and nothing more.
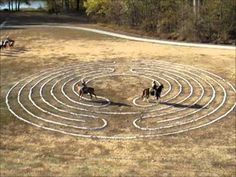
(28, 151)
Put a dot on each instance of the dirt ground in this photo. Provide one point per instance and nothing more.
(30, 151)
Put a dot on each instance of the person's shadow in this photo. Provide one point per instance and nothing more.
(112, 103)
(13, 52)
(195, 106)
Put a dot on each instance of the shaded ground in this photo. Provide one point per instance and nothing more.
(28, 151)
(39, 18)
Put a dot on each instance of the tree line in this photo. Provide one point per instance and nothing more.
(52, 5)
(194, 20)
(14, 5)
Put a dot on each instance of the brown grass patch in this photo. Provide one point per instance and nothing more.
(29, 151)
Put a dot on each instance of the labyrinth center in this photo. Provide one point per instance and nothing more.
(191, 99)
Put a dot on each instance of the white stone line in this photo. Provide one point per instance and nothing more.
(200, 126)
(189, 75)
(70, 106)
(150, 135)
(204, 71)
(83, 79)
(145, 75)
(30, 113)
(56, 108)
(182, 66)
(164, 94)
(190, 94)
(191, 113)
(122, 36)
(80, 115)
(176, 118)
(43, 110)
(166, 120)
(200, 71)
(46, 120)
(194, 120)
(9, 107)
(56, 130)
(59, 101)
(136, 75)
(77, 94)
(170, 88)
(80, 103)
(123, 74)
(115, 137)
(83, 109)
(180, 86)
(191, 88)
(52, 129)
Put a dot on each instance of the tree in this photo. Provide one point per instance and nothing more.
(17, 4)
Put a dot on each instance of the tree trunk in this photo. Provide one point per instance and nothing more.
(62, 4)
(78, 5)
(221, 9)
(9, 5)
(19, 2)
(67, 5)
(12, 5)
(71, 4)
(194, 7)
(16, 2)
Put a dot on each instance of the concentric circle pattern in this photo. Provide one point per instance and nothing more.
(191, 99)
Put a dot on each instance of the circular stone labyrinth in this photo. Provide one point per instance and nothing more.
(191, 99)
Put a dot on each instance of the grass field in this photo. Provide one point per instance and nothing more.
(30, 151)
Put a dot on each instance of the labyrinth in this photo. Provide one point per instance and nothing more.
(192, 98)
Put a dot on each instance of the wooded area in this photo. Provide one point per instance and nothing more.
(188, 20)
(56, 6)
(194, 20)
